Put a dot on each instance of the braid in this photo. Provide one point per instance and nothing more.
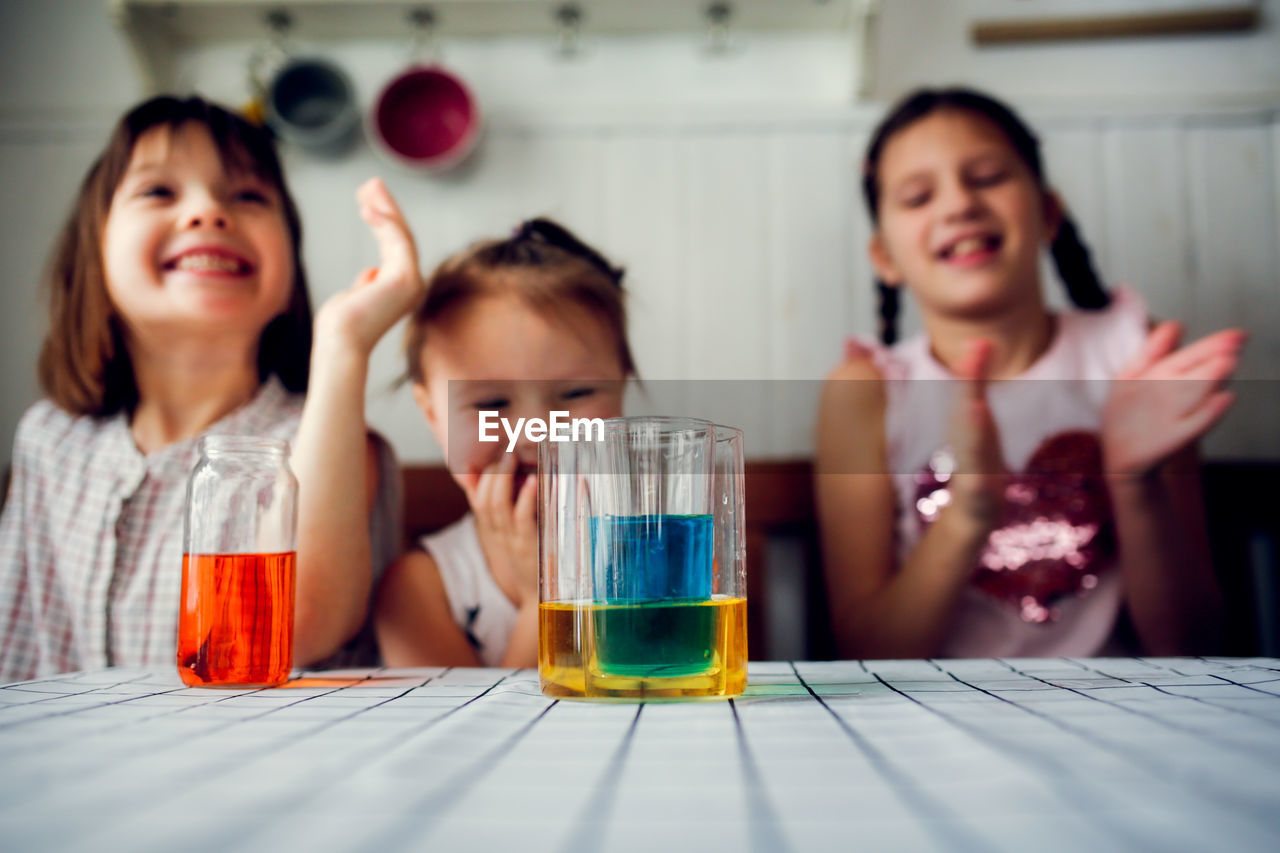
(1071, 258)
(889, 303)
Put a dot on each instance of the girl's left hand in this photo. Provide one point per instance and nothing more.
(363, 313)
(1144, 421)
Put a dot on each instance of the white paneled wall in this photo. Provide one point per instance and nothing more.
(40, 168)
(726, 183)
(744, 238)
(745, 242)
(924, 42)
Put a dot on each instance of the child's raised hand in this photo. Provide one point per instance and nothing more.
(381, 295)
(978, 484)
(506, 524)
(1144, 421)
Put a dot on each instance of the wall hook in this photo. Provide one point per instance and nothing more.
(266, 59)
(424, 48)
(278, 21)
(718, 16)
(568, 18)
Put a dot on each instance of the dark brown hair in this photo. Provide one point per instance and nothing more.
(1070, 256)
(544, 264)
(84, 366)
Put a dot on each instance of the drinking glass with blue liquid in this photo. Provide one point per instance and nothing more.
(642, 572)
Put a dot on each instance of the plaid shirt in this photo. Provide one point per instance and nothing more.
(91, 537)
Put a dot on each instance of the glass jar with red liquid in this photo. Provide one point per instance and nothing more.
(235, 620)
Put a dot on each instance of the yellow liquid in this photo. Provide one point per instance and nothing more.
(581, 651)
(560, 648)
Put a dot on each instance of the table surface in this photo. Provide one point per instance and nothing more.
(1103, 754)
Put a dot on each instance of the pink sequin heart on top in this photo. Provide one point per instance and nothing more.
(1055, 532)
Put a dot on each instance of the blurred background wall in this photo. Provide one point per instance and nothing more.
(727, 182)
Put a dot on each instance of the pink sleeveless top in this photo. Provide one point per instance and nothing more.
(1046, 583)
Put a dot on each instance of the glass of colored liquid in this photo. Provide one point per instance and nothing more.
(235, 620)
(642, 570)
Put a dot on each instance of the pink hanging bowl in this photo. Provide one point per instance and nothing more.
(425, 119)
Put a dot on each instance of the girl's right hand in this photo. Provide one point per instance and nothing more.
(381, 295)
(507, 529)
(1144, 422)
(977, 486)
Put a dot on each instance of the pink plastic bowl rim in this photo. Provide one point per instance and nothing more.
(425, 117)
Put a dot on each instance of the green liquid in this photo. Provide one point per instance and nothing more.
(654, 639)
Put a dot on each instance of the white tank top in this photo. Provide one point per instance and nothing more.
(479, 607)
(1047, 583)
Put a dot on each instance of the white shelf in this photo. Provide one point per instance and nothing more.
(209, 20)
(159, 29)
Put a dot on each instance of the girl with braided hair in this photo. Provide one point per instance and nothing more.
(997, 515)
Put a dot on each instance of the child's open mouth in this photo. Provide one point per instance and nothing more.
(971, 250)
(209, 262)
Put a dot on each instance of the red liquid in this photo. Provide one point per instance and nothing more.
(235, 619)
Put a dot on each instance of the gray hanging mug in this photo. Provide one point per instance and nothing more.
(311, 103)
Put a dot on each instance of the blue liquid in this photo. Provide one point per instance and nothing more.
(648, 558)
(652, 579)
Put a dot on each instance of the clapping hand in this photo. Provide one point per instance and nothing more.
(1146, 421)
(977, 486)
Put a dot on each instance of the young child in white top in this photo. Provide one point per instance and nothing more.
(1024, 517)
(523, 326)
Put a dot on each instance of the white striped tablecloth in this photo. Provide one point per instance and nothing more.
(969, 755)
